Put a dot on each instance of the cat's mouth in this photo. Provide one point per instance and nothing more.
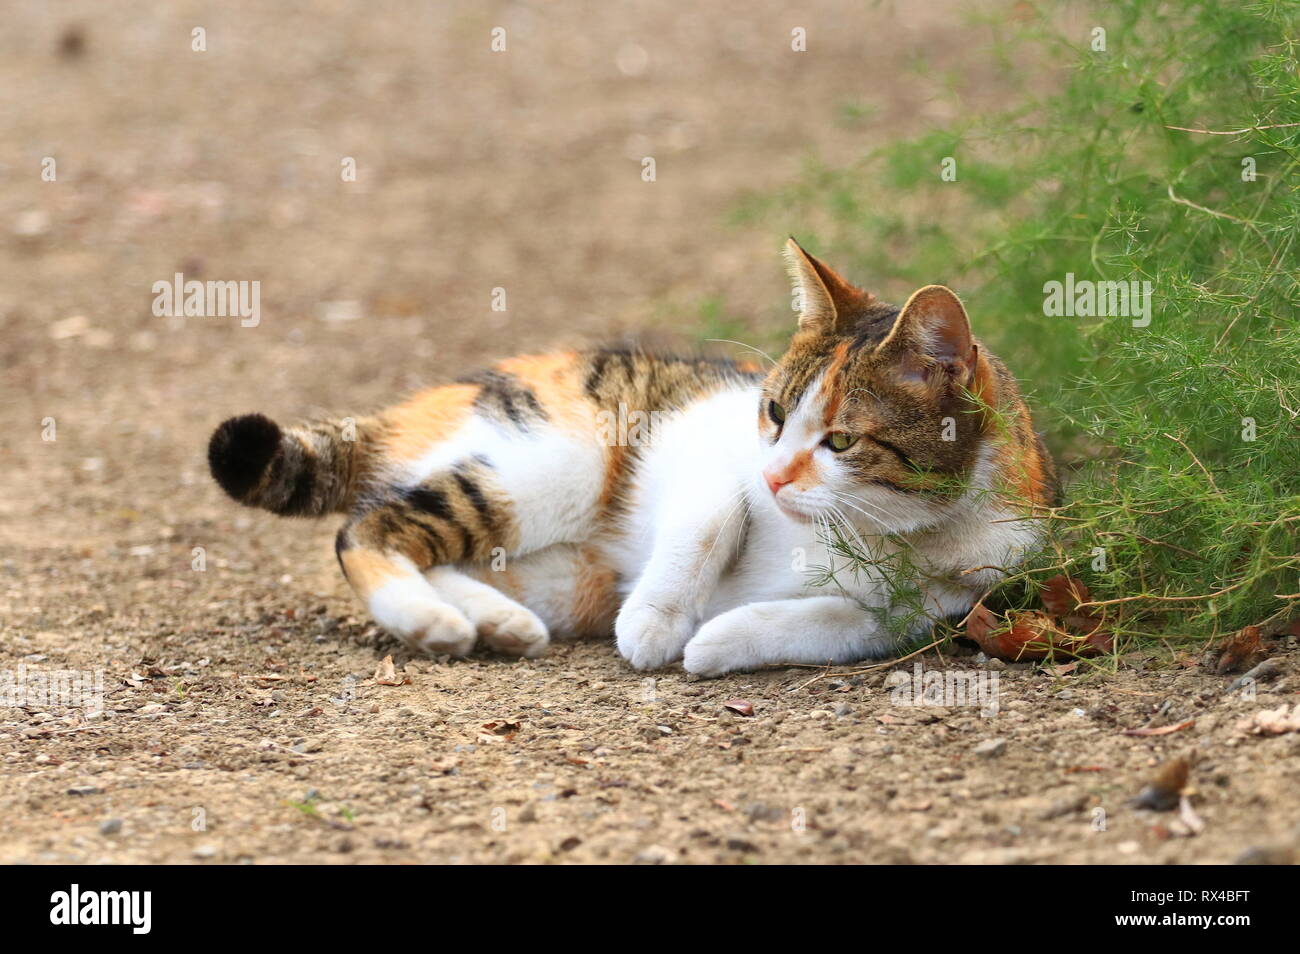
(798, 516)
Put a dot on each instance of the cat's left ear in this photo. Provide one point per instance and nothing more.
(932, 334)
(827, 303)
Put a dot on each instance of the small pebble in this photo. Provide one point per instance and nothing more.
(990, 748)
(654, 855)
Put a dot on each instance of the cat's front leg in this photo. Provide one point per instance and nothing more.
(687, 559)
(652, 629)
(815, 629)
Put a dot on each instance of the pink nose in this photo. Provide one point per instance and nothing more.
(774, 483)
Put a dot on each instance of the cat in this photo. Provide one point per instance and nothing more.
(698, 509)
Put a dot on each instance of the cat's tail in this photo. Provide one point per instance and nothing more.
(306, 470)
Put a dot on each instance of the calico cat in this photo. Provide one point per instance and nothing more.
(688, 505)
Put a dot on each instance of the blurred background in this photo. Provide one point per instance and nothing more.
(475, 170)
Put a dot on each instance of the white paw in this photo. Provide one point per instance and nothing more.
(512, 629)
(721, 646)
(411, 611)
(652, 636)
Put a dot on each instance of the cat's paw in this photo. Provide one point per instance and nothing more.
(513, 629)
(722, 645)
(411, 611)
(651, 636)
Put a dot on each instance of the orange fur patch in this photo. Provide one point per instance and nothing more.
(832, 394)
(616, 461)
(982, 382)
(433, 415)
(595, 599)
(1021, 470)
(367, 570)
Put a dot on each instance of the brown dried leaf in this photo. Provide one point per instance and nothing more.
(1162, 793)
(1029, 634)
(1064, 669)
(1063, 594)
(1239, 650)
(740, 706)
(1161, 730)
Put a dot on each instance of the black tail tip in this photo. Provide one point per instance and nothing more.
(240, 450)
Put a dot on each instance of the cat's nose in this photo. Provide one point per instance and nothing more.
(775, 481)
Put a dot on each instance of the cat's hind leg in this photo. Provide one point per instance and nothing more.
(405, 604)
(478, 484)
(573, 588)
(503, 624)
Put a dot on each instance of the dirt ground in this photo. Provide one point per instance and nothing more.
(242, 722)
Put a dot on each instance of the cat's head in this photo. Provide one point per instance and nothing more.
(870, 413)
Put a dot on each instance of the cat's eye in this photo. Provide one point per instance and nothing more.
(839, 441)
(776, 412)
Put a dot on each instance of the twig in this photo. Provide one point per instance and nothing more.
(857, 672)
(1171, 599)
(1219, 215)
(1232, 132)
(1281, 619)
(1148, 540)
(1208, 475)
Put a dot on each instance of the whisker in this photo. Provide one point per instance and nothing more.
(844, 495)
(736, 505)
(848, 525)
(756, 351)
(864, 513)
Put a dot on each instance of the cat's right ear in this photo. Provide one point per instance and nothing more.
(825, 300)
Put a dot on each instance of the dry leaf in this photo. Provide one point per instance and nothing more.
(739, 706)
(386, 674)
(1029, 634)
(1162, 730)
(1272, 721)
(1239, 650)
(1163, 792)
(1064, 628)
(1062, 595)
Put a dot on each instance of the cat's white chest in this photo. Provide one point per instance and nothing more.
(784, 559)
(705, 464)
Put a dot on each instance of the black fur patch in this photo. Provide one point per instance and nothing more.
(475, 496)
(301, 502)
(240, 450)
(506, 396)
(430, 501)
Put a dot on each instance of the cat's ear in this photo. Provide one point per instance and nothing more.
(827, 303)
(932, 333)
